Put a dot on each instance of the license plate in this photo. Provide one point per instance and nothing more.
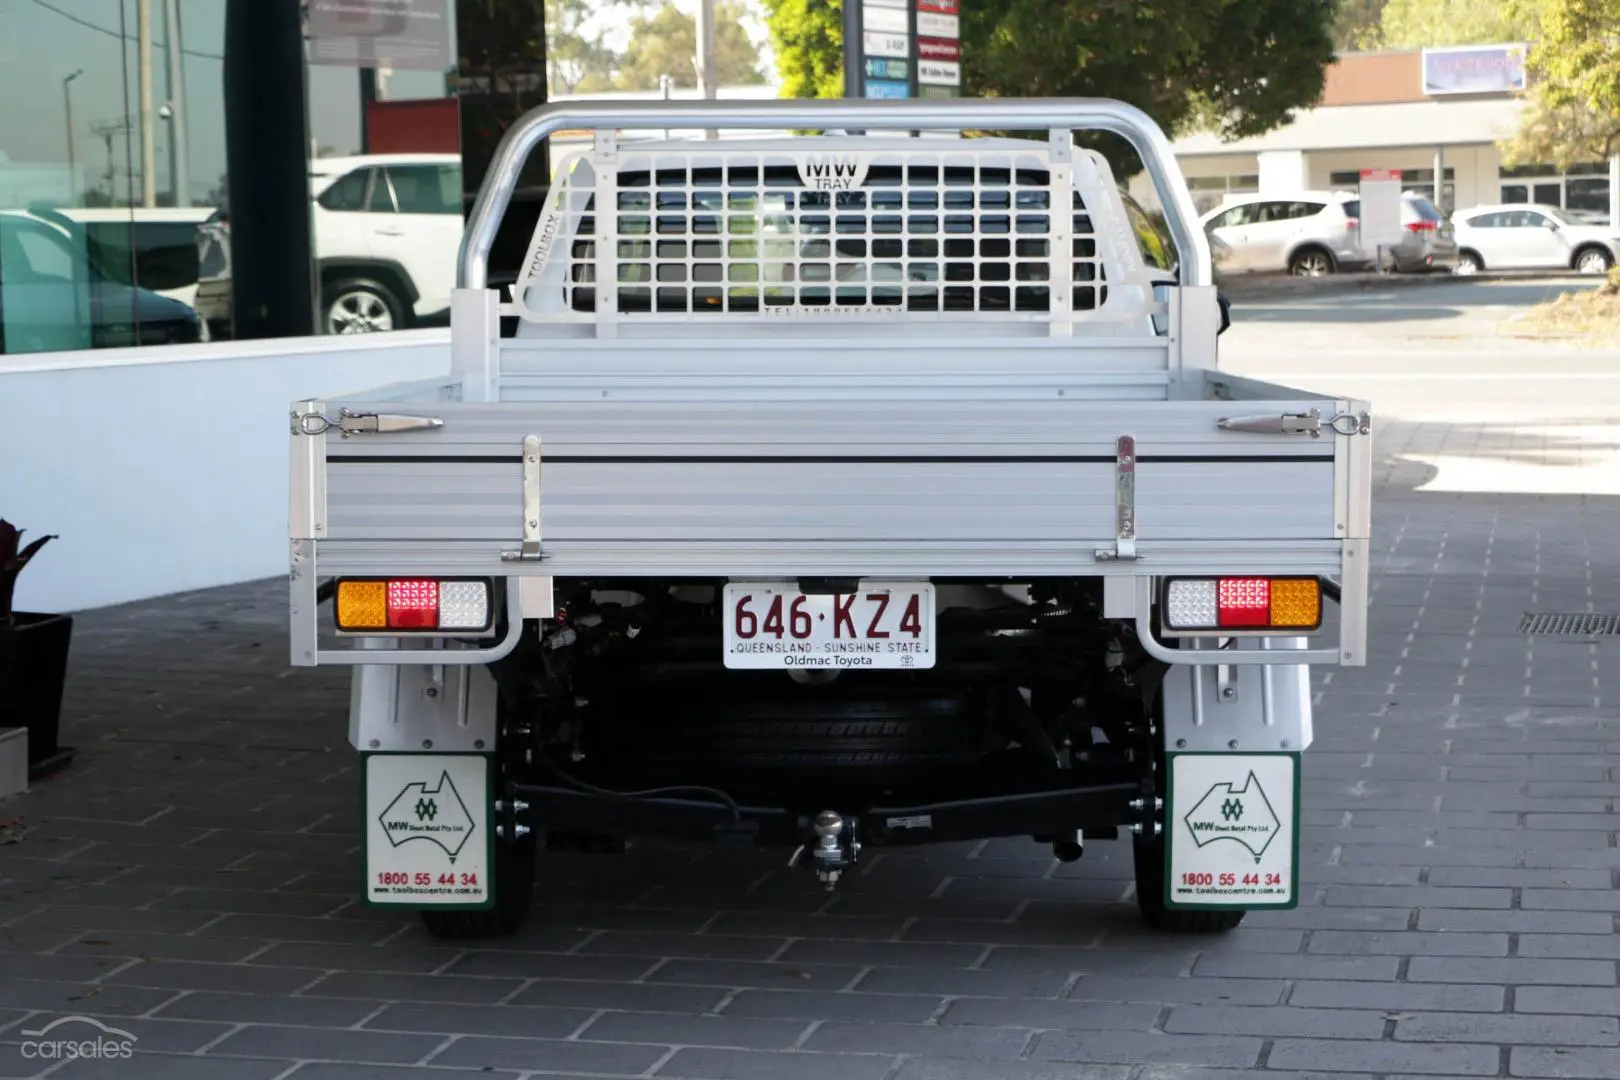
(883, 624)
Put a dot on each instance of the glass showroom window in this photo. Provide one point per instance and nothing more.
(1417, 181)
(1582, 188)
(1209, 192)
(100, 197)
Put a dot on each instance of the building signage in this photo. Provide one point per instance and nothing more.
(887, 88)
(885, 20)
(380, 33)
(897, 45)
(881, 67)
(939, 72)
(1474, 69)
(938, 49)
(943, 7)
(930, 24)
(929, 91)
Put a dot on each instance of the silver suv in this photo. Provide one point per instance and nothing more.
(1311, 233)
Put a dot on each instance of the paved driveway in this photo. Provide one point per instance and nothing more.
(191, 880)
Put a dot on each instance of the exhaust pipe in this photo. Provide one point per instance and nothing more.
(1069, 848)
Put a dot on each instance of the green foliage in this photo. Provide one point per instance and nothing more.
(1357, 26)
(808, 38)
(665, 43)
(1573, 109)
(1414, 24)
(1241, 66)
(576, 60)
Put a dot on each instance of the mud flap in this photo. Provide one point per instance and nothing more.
(429, 841)
(1233, 831)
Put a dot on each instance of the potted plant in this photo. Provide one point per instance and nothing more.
(33, 659)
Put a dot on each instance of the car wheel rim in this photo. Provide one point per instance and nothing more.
(1311, 265)
(1467, 267)
(1593, 263)
(359, 313)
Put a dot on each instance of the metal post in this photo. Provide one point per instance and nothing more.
(1440, 180)
(706, 60)
(179, 160)
(67, 119)
(852, 49)
(143, 45)
(1614, 190)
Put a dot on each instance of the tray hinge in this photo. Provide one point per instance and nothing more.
(1305, 423)
(353, 423)
(529, 550)
(1124, 549)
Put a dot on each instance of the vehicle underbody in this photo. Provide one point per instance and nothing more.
(1035, 721)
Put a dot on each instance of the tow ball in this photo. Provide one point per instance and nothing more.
(836, 848)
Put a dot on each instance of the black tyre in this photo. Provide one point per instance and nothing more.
(1593, 259)
(1149, 857)
(514, 892)
(360, 306)
(1311, 261)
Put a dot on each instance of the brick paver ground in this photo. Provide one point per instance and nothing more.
(192, 878)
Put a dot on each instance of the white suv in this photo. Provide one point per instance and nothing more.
(387, 227)
(1307, 233)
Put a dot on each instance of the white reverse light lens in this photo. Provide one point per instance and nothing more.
(1191, 605)
(463, 605)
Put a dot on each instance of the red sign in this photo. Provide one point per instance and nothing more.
(929, 48)
(943, 7)
(1384, 175)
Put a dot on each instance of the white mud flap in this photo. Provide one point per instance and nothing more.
(428, 840)
(1233, 822)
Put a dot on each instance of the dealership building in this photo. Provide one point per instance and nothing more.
(1427, 113)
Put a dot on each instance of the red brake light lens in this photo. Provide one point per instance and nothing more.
(413, 604)
(1423, 226)
(1244, 603)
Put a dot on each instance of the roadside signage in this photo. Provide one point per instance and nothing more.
(902, 48)
(885, 20)
(887, 88)
(882, 67)
(1380, 207)
(897, 45)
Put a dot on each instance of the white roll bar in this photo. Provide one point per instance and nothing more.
(1005, 114)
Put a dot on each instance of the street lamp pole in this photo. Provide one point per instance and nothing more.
(67, 119)
(179, 162)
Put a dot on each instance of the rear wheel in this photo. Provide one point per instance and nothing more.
(1593, 260)
(1149, 856)
(360, 306)
(1469, 263)
(1310, 262)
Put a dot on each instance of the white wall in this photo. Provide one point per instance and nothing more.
(165, 469)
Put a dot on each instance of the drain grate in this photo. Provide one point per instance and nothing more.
(1581, 624)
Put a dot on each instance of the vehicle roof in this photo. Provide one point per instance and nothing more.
(326, 165)
(1496, 208)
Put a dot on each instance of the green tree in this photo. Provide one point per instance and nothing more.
(1414, 24)
(808, 37)
(1357, 27)
(1573, 111)
(665, 43)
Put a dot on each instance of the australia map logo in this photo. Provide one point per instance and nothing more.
(437, 815)
(1242, 815)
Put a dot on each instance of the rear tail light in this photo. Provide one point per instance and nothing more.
(1423, 226)
(1243, 604)
(416, 605)
(1354, 223)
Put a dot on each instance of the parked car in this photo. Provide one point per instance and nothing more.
(59, 291)
(386, 227)
(1310, 233)
(1532, 237)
